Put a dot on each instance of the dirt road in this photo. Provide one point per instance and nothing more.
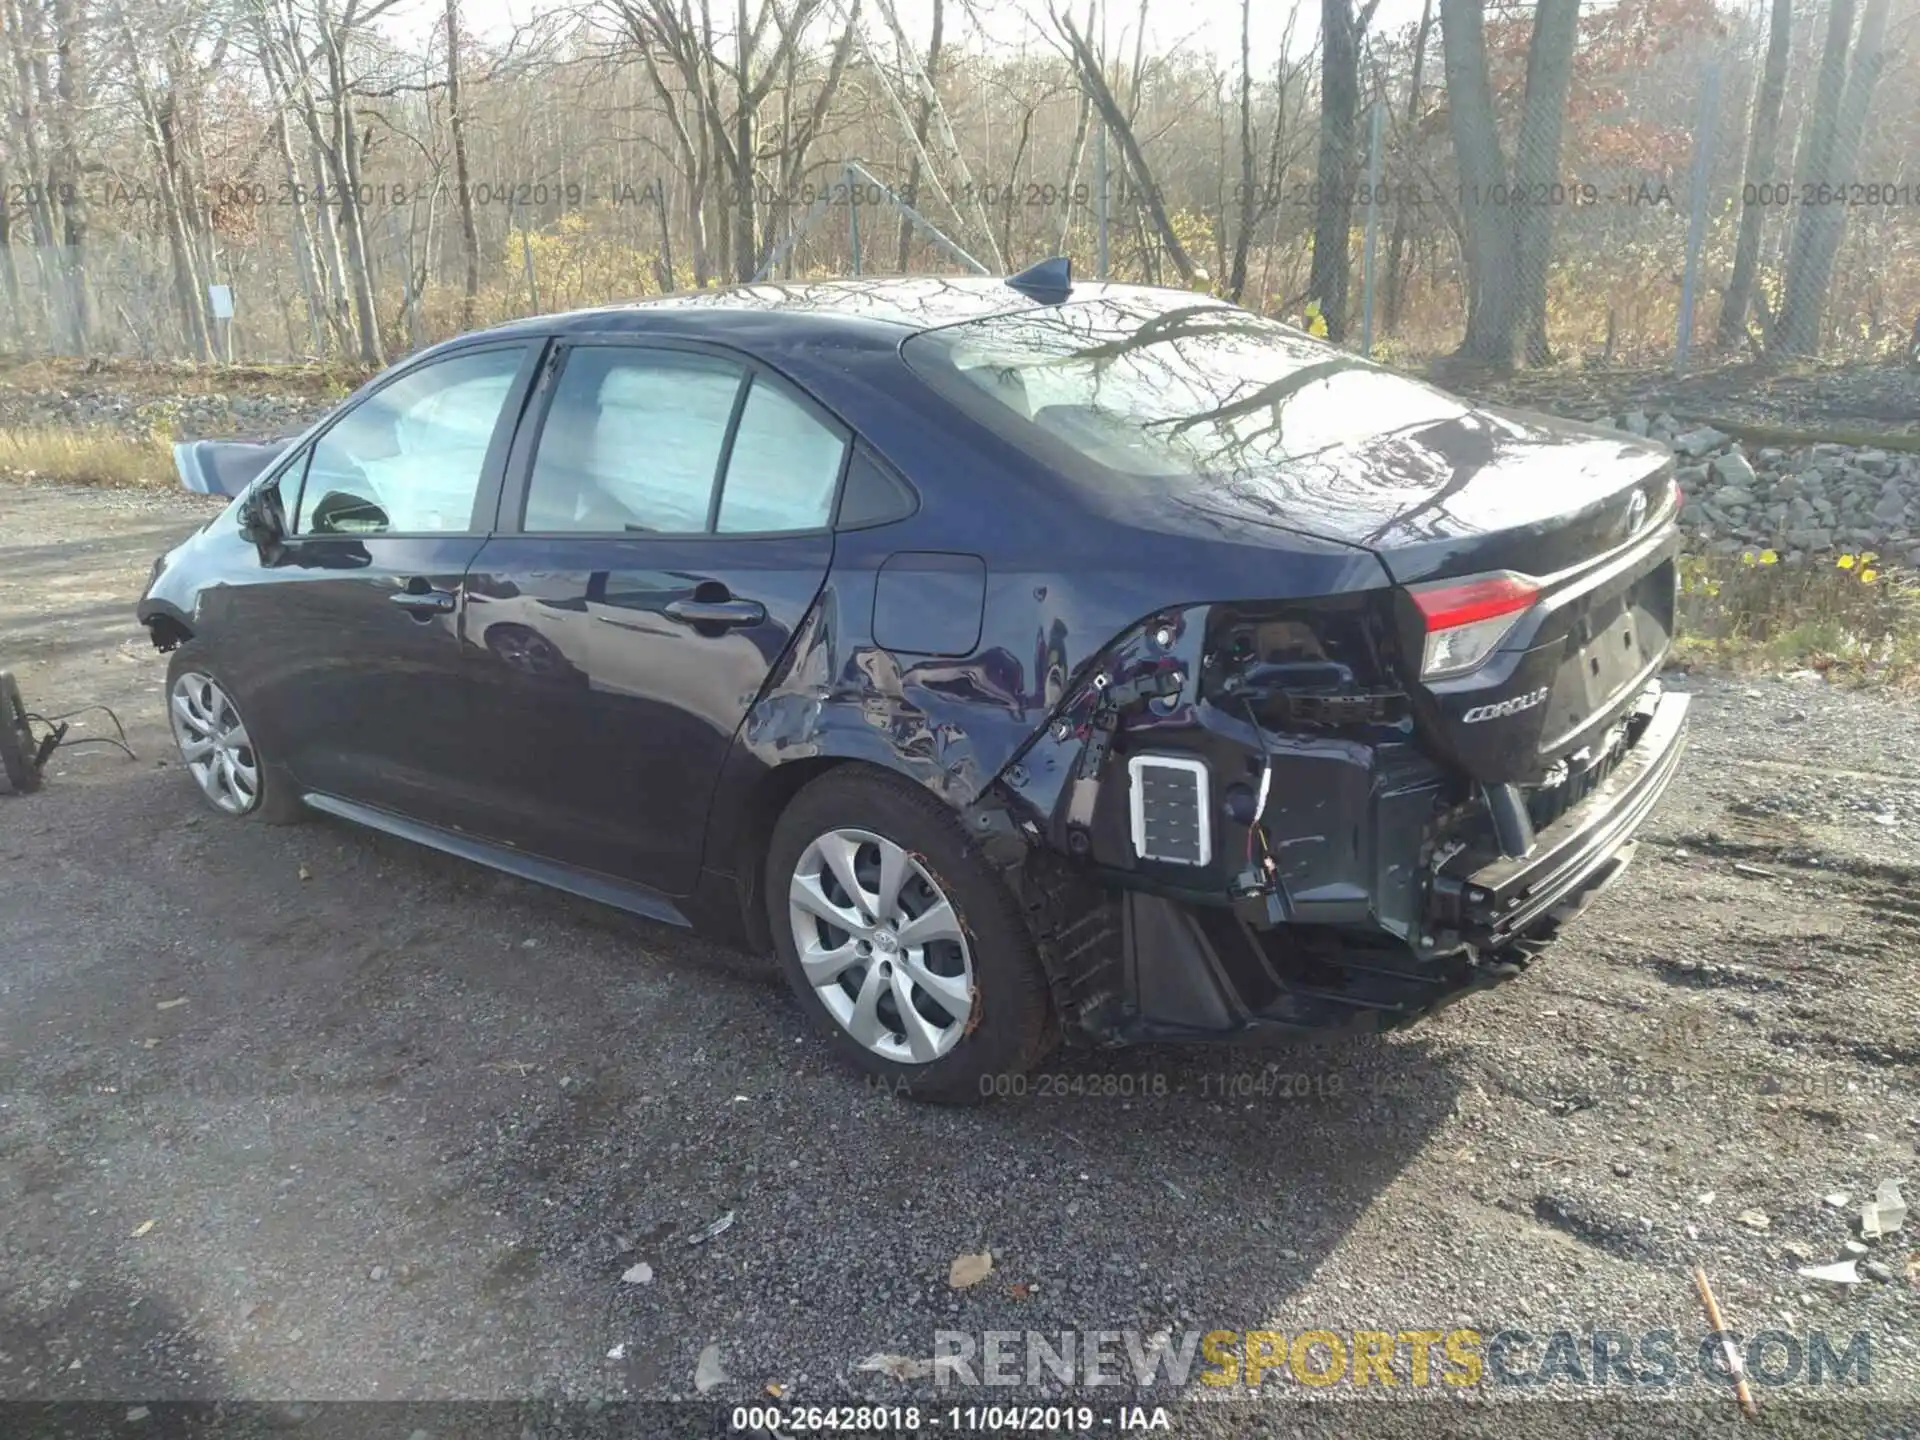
(311, 1113)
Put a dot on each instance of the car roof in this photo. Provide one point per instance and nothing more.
(880, 310)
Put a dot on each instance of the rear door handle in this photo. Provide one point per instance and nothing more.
(423, 600)
(725, 613)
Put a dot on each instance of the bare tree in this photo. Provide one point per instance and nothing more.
(462, 176)
(1093, 78)
(1507, 219)
(1340, 32)
(1828, 164)
(1409, 138)
(923, 116)
(1762, 144)
(1536, 165)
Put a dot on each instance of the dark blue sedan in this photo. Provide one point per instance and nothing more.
(1015, 659)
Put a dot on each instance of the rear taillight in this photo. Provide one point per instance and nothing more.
(1466, 620)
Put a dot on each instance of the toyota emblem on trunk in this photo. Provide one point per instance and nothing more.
(1636, 512)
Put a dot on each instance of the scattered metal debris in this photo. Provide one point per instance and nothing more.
(1885, 1213)
(1841, 1272)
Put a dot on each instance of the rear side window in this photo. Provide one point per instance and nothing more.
(632, 442)
(674, 443)
(784, 467)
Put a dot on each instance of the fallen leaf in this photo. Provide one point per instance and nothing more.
(708, 1372)
(641, 1274)
(970, 1269)
(142, 1228)
(776, 1389)
(171, 1004)
(1021, 1290)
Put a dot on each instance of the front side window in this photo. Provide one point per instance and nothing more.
(644, 441)
(408, 460)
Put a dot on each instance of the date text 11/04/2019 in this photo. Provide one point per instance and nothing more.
(1272, 1083)
(960, 1419)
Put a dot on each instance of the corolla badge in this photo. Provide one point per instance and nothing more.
(1501, 708)
(1636, 512)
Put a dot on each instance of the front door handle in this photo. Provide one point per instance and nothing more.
(720, 613)
(422, 600)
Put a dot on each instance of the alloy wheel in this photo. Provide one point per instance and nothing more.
(881, 945)
(214, 743)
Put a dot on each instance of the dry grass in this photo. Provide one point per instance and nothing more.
(96, 456)
(1847, 616)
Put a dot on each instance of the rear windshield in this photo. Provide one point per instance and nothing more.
(1197, 390)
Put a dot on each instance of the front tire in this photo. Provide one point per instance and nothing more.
(902, 944)
(219, 751)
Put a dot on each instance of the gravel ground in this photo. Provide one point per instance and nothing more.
(312, 1114)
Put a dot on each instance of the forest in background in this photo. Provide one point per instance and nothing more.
(1520, 184)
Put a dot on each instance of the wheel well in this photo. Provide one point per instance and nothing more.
(168, 633)
(762, 812)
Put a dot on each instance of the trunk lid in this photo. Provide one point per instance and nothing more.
(1435, 488)
(1587, 513)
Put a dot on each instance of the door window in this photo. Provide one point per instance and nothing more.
(784, 466)
(636, 441)
(408, 459)
(632, 442)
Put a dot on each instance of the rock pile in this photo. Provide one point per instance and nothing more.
(178, 416)
(1800, 500)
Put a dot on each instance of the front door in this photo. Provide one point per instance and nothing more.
(664, 533)
(352, 637)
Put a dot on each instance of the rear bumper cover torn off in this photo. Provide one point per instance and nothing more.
(1575, 856)
(1182, 970)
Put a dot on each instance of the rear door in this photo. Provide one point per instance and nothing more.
(665, 528)
(350, 643)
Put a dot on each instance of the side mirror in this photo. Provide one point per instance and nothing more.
(263, 521)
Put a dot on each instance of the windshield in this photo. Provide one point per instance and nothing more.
(1198, 390)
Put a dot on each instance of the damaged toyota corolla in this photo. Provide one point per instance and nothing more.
(1017, 659)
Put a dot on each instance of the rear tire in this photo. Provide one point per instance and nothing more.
(934, 990)
(219, 751)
